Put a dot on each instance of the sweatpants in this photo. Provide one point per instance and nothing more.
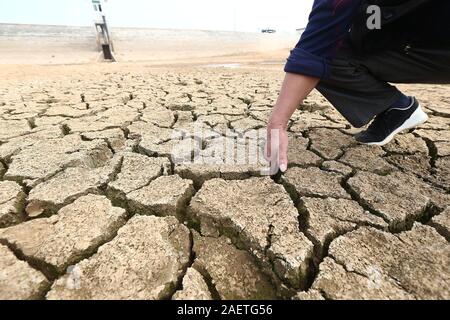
(359, 86)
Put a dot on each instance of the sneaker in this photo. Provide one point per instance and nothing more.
(391, 122)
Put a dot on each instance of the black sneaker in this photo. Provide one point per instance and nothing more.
(391, 122)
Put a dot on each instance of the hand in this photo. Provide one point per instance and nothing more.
(277, 148)
(295, 88)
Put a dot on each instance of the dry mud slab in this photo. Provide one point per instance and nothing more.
(102, 195)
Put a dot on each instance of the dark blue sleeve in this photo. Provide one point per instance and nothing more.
(328, 26)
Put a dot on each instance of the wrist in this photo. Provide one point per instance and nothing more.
(278, 124)
(279, 118)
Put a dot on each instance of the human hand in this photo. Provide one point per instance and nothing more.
(276, 148)
(293, 91)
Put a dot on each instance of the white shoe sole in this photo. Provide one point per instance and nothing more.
(417, 118)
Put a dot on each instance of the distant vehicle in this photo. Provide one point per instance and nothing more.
(268, 31)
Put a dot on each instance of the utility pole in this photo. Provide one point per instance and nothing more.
(103, 37)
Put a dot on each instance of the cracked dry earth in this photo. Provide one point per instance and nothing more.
(92, 205)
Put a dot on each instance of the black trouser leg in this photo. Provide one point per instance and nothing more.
(359, 85)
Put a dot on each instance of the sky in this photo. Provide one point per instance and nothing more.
(232, 15)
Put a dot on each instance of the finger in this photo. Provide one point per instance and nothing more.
(274, 151)
(282, 157)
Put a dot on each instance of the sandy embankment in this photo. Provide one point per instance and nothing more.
(32, 44)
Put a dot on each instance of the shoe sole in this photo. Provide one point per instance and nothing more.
(417, 118)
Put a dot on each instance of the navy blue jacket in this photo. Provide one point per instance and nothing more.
(329, 25)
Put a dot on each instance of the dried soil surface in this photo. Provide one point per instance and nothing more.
(101, 196)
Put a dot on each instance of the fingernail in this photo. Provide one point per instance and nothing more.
(283, 167)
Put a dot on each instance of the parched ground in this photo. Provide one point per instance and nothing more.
(93, 206)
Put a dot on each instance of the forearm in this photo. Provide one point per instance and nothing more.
(295, 89)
